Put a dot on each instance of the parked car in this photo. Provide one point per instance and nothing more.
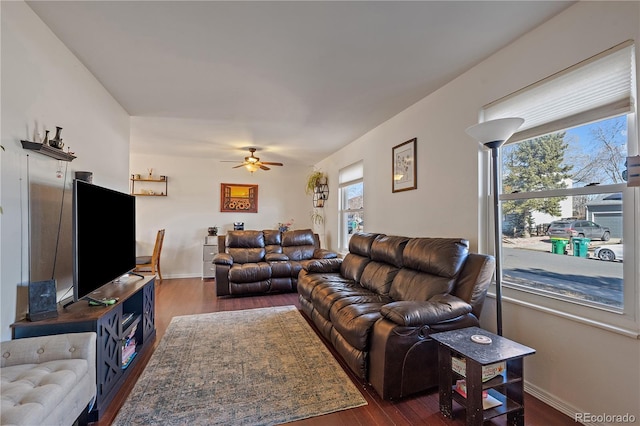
(578, 228)
(609, 252)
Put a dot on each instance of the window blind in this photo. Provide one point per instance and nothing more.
(350, 173)
(597, 88)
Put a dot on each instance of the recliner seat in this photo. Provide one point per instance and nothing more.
(265, 261)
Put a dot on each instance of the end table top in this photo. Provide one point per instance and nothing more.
(500, 348)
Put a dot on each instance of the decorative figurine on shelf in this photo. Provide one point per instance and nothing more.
(150, 170)
(45, 141)
(213, 231)
(56, 142)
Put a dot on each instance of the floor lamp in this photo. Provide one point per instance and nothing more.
(493, 134)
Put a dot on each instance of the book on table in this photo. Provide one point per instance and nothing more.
(488, 401)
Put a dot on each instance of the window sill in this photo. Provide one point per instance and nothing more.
(624, 326)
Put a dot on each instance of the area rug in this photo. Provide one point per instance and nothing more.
(254, 367)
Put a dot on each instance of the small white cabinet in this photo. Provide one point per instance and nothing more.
(208, 251)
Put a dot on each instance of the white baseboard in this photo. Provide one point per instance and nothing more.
(555, 402)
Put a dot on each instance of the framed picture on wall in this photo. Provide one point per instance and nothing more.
(238, 197)
(404, 166)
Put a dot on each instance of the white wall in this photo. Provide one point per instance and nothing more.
(44, 86)
(575, 363)
(193, 205)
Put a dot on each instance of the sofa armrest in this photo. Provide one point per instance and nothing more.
(273, 257)
(324, 254)
(442, 307)
(322, 265)
(223, 259)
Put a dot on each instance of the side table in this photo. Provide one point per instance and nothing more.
(507, 388)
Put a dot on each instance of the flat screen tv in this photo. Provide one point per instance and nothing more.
(104, 237)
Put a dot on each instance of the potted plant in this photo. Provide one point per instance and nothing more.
(315, 179)
(316, 217)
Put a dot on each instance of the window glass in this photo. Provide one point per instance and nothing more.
(352, 214)
(562, 213)
(351, 203)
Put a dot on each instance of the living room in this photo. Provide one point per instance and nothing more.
(44, 83)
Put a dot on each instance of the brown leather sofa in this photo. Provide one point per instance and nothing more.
(253, 262)
(378, 305)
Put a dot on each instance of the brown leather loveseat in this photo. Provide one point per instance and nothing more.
(378, 305)
(264, 261)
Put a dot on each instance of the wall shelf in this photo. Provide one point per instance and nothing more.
(150, 192)
(320, 195)
(47, 150)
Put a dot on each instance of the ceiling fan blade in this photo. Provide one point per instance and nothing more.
(230, 161)
(241, 165)
(272, 164)
(263, 167)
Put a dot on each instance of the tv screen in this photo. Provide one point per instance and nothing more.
(104, 236)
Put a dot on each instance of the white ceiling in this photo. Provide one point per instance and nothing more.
(296, 79)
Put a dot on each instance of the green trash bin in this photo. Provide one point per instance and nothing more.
(580, 246)
(559, 245)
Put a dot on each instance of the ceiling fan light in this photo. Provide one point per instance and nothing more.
(251, 167)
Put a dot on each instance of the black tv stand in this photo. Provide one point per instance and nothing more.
(113, 324)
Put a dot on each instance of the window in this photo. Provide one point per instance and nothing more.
(351, 208)
(552, 205)
(567, 214)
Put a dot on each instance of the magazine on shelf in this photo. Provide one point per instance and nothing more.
(459, 365)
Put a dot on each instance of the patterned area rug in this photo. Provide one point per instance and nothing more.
(253, 367)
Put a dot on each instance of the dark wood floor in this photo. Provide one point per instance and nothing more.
(192, 296)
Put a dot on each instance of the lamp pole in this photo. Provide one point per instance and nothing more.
(493, 134)
(497, 230)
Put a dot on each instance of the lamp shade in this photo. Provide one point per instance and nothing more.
(498, 130)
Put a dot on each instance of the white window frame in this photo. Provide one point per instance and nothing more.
(627, 320)
(348, 176)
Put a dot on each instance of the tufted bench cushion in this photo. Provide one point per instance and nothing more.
(47, 380)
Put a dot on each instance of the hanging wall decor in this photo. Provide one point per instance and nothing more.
(235, 197)
(404, 166)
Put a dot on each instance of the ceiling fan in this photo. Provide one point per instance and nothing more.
(253, 163)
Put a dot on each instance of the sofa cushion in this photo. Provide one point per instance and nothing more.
(354, 317)
(360, 243)
(280, 269)
(298, 244)
(31, 391)
(299, 237)
(430, 266)
(249, 272)
(388, 249)
(418, 286)
(353, 265)
(272, 240)
(244, 239)
(378, 277)
(307, 282)
(272, 237)
(324, 295)
(247, 255)
(438, 256)
(246, 246)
